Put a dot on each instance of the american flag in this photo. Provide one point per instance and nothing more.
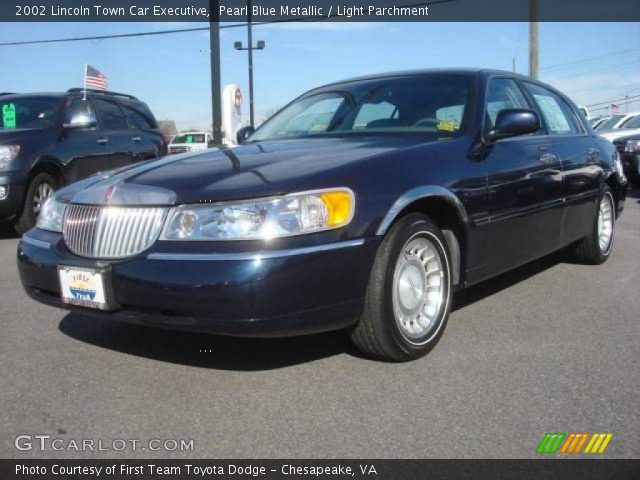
(615, 109)
(93, 78)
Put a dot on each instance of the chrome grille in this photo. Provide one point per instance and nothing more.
(178, 149)
(111, 232)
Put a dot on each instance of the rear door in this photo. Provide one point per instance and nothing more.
(145, 137)
(114, 133)
(577, 151)
(525, 186)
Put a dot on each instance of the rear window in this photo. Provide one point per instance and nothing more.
(634, 122)
(138, 119)
(33, 112)
(610, 123)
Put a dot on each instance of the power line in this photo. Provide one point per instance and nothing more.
(587, 60)
(613, 100)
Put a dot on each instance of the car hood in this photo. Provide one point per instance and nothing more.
(617, 133)
(254, 170)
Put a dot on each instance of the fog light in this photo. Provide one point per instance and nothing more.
(4, 191)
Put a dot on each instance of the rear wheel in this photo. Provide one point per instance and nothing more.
(596, 247)
(409, 293)
(41, 187)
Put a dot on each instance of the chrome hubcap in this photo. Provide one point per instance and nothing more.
(43, 192)
(605, 223)
(418, 288)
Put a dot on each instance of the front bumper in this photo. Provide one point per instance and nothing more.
(279, 293)
(12, 203)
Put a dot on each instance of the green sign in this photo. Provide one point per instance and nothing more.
(9, 115)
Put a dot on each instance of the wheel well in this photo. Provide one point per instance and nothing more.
(447, 217)
(615, 188)
(48, 167)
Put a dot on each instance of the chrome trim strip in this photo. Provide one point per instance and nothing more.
(265, 254)
(35, 242)
(416, 194)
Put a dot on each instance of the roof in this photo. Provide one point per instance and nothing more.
(427, 71)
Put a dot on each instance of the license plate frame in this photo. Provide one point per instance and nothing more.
(85, 287)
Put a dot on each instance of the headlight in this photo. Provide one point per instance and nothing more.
(632, 146)
(51, 215)
(7, 154)
(267, 218)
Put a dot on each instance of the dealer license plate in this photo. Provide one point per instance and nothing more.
(83, 286)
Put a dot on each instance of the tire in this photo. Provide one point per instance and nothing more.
(634, 178)
(39, 186)
(591, 250)
(400, 321)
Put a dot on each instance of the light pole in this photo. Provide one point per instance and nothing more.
(214, 44)
(250, 48)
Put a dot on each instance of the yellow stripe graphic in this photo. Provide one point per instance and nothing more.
(591, 442)
(596, 445)
(605, 443)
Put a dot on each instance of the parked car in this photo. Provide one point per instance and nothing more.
(616, 121)
(362, 205)
(628, 147)
(596, 122)
(50, 139)
(190, 142)
(630, 127)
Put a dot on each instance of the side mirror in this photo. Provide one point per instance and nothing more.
(244, 133)
(514, 122)
(81, 120)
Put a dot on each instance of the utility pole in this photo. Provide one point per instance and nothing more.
(533, 39)
(214, 47)
(513, 64)
(250, 48)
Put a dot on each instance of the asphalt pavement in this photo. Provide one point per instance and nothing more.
(549, 347)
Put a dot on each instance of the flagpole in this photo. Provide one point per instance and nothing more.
(85, 82)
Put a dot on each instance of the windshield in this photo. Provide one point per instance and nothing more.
(633, 123)
(610, 122)
(32, 112)
(437, 105)
(189, 138)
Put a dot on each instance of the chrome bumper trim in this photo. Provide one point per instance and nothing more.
(35, 242)
(265, 254)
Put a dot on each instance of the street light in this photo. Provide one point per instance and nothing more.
(250, 48)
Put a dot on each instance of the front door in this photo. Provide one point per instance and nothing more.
(524, 176)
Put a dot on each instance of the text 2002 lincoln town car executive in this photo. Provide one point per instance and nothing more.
(361, 205)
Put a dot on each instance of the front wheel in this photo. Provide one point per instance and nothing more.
(41, 187)
(595, 248)
(409, 293)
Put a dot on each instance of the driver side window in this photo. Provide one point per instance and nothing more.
(502, 94)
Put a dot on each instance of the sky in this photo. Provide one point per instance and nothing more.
(591, 62)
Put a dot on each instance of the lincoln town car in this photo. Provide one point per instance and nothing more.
(361, 206)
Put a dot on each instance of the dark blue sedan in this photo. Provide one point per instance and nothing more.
(362, 205)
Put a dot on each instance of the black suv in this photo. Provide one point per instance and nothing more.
(50, 139)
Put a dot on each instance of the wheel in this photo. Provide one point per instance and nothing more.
(596, 247)
(409, 293)
(40, 188)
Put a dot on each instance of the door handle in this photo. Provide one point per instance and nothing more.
(136, 139)
(548, 158)
(102, 140)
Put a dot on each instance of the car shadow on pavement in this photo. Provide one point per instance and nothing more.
(494, 285)
(253, 354)
(7, 231)
(204, 350)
